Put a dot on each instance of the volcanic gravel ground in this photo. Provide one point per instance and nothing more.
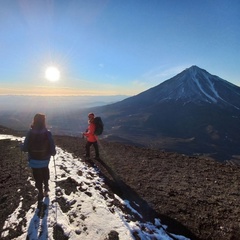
(194, 196)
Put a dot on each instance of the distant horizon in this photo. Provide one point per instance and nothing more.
(36, 95)
(16, 103)
(98, 95)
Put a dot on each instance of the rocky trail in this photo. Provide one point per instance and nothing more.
(195, 197)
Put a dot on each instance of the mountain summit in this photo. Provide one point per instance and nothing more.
(195, 85)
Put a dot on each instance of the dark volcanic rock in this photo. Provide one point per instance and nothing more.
(196, 197)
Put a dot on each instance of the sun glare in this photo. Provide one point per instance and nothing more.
(52, 74)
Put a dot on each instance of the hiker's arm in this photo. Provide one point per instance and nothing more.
(91, 130)
(87, 132)
(52, 144)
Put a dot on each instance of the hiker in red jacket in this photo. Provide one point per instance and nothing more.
(91, 137)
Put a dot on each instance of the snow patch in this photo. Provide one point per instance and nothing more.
(90, 213)
(202, 90)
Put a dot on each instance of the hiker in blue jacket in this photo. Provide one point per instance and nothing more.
(40, 146)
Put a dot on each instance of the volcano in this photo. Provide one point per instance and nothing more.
(194, 112)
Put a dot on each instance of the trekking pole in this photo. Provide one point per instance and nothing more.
(54, 162)
(21, 167)
(56, 216)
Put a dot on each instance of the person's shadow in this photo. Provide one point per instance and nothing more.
(126, 192)
(38, 228)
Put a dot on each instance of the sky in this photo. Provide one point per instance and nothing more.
(112, 47)
(91, 215)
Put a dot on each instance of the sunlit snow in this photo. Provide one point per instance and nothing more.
(91, 213)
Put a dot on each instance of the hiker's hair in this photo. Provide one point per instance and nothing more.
(39, 121)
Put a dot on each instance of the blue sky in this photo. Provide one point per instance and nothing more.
(114, 47)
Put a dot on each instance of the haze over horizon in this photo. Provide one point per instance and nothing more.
(114, 48)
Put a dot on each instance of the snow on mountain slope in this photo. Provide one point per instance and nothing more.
(86, 212)
(194, 85)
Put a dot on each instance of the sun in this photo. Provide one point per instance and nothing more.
(52, 74)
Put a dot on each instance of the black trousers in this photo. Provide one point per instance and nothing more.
(95, 145)
(41, 177)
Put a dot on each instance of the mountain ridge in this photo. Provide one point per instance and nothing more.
(186, 86)
(192, 105)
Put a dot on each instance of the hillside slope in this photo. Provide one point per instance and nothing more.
(193, 112)
(195, 197)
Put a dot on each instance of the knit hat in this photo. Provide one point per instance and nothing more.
(91, 114)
